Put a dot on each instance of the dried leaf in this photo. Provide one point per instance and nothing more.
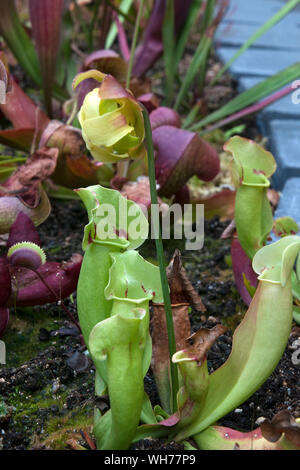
(181, 288)
(182, 294)
(199, 343)
(282, 422)
(25, 181)
(22, 191)
(160, 347)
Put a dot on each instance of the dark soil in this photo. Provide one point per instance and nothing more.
(47, 387)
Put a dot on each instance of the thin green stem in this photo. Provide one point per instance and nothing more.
(134, 41)
(161, 260)
(120, 12)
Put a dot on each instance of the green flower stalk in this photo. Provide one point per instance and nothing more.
(111, 120)
(252, 168)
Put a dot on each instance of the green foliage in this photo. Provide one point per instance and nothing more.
(258, 344)
(252, 95)
(114, 290)
(252, 168)
(262, 30)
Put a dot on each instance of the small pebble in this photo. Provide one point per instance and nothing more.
(44, 334)
(55, 385)
(260, 420)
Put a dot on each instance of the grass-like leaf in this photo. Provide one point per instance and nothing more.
(122, 12)
(262, 30)
(201, 54)
(21, 45)
(253, 95)
(169, 46)
(183, 37)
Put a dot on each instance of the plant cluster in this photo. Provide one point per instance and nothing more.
(106, 133)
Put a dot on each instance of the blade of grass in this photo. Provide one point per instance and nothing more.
(199, 57)
(208, 17)
(168, 35)
(22, 47)
(251, 96)
(251, 109)
(201, 53)
(182, 40)
(161, 260)
(18, 41)
(122, 12)
(262, 30)
(191, 117)
(134, 42)
(123, 43)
